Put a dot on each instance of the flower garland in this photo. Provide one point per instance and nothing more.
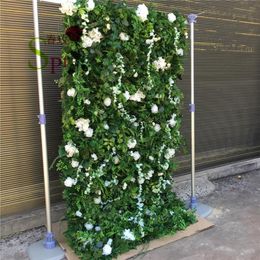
(121, 121)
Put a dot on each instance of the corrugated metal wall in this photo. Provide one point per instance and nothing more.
(227, 91)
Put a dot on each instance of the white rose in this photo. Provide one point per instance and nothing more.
(95, 35)
(78, 214)
(131, 143)
(71, 92)
(123, 36)
(97, 200)
(141, 180)
(86, 41)
(107, 102)
(180, 52)
(128, 235)
(154, 109)
(74, 163)
(90, 5)
(124, 186)
(157, 128)
(97, 228)
(106, 126)
(87, 102)
(69, 182)
(94, 156)
(138, 96)
(171, 17)
(88, 226)
(68, 7)
(136, 155)
(107, 249)
(142, 12)
(89, 132)
(116, 160)
(71, 149)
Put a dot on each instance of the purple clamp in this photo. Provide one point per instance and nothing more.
(49, 241)
(42, 119)
(192, 108)
(192, 18)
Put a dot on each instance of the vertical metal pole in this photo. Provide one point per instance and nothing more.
(49, 241)
(193, 202)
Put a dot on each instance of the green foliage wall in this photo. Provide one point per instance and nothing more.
(121, 121)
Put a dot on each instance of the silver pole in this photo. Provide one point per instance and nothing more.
(42, 118)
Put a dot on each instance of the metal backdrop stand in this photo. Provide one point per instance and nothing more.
(46, 249)
(201, 209)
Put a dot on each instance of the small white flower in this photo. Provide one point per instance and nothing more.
(107, 18)
(124, 37)
(68, 7)
(90, 5)
(87, 102)
(126, 95)
(107, 102)
(86, 41)
(172, 122)
(136, 75)
(109, 242)
(106, 126)
(95, 35)
(94, 156)
(171, 17)
(74, 163)
(78, 214)
(138, 96)
(154, 109)
(124, 186)
(74, 61)
(151, 158)
(186, 35)
(88, 226)
(97, 200)
(157, 128)
(116, 160)
(171, 82)
(142, 12)
(128, 235)
(150, 174)
(136, 155)
(160, 174)
(108, 26)
(131, 143)
(97, 228)
(71, 92)
(107, 249)
(161, 64)
(133, 179)
(107, 183)
(141, 180)
(89, 132)
(169, 153)
(180, 52)
(69, 182)
(86, 174)
(71, 149)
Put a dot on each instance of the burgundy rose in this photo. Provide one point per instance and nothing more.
(74, 33)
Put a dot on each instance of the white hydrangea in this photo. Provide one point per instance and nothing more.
(161, 64)
(86, 41)
(171, 17)
(124, 37)
(169, 153)
(74, 163)
(128, 235)
(88, 226)
(78, 214)
(71, 149)
(71, 92)
(131, 143)
(95, 35)
(107, 101)
(142, 12)
(136, 155)
(138, 96)
(90, 5)
(154, 109)
(157, 128)
(68, 7)
(180, 52)
(107, 249)
(69, 182)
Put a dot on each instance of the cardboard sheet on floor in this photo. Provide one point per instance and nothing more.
(202, 224)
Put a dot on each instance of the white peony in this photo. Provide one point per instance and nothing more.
(74, 163)
(171, 17)
(78, 214)
(136, 155)
(88, 226)
(97, 200)
(107, 102)
(90, 5)
(180, 52)
(95, 35)
(131, 143)
(71, 92)
(69, 182)
(154, 109)
(86, 41)
(169, 153)
(107, 249)
(94, 156)
(128, 235)
(157, 127)
(87, 102)
(68, 7)
(138, 96)
(124, 37)
(161, 64)
(71, 149)
(142, 12)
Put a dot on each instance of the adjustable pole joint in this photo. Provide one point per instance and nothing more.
(42, 119)
(192, 18)
(192, 108)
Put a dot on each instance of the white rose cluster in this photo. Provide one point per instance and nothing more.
(83, 126)
(71, 149)
(71, 92)
(69, 182)
(161, 64)
(142, 12)
(68, 7)
(128, 235)
(93, 36)
(169, 153)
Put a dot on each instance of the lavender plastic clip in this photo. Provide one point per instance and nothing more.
(192, 18)
(192, 108)
(42, 119)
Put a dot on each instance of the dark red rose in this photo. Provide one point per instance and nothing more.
(74, 33)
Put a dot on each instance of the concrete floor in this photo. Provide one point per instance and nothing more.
(236, 235)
